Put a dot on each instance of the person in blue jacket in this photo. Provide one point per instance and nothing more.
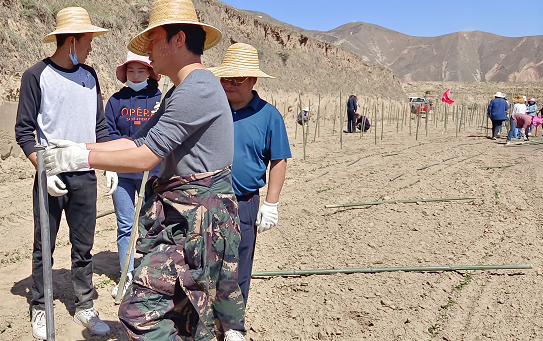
(126, 112)
(497, 111)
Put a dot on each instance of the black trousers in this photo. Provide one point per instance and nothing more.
(496, 126)
(247, 211)
(351, 122)
(79, 206)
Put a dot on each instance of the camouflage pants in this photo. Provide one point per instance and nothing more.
(150, 315)
(186, 285)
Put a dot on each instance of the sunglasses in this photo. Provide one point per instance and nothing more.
(235, 81)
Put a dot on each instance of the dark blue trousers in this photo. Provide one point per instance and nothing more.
(248, 209)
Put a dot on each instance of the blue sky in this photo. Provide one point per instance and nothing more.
(417, 17)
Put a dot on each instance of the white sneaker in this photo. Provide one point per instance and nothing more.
(126, 286)
(89, 319)
(38, 324)
(233, 335)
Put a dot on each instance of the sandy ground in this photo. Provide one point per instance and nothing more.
(501, 226)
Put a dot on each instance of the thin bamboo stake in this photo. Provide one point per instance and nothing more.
(409, 201)
(426, 121)
(392, 154)
(375, 121)
(341, 120)
(317, 127)
(446, 117)
(303, 119)
(382, 119)
(418, 122)
(390, 269)
(454, 157)
(103, 214)
(433, 164)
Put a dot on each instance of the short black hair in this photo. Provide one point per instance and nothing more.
(196, 36)
(61, 38)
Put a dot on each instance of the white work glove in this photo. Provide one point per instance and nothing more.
(65, 159)
(267, 216)
(66, 143)
(55, 186)
(112, 180)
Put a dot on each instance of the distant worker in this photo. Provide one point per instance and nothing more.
(497, 111)
(531, 109)
(305, 112)
(352, 105)
(366, 122)
(519, 119)
(260, 138)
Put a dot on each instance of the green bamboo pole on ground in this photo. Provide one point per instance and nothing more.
(390, 269)
(409, 201)
(341, 120)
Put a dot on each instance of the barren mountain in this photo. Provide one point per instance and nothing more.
(460, 56)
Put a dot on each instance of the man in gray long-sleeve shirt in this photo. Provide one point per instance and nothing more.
(60, 99)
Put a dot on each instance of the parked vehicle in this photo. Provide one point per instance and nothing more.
(419, 104)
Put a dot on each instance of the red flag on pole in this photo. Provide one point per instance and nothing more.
(446, 97)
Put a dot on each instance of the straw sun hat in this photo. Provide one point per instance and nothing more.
(519, 99)
(132, 57)
(240, 60)
(164, 12)
(73, 20)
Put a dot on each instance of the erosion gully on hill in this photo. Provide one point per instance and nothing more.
(501, 226)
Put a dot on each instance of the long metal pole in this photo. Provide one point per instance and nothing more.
(389, 269)
(46, 245)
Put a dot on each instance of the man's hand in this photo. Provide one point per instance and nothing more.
(112, 180)
(65, 159)
(66, 143)
(55, 186)
(267, 216)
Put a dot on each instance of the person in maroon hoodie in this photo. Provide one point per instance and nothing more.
(126, 112)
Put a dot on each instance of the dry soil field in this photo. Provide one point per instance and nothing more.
(501, 226)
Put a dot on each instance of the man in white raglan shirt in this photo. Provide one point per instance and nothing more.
(60, 99)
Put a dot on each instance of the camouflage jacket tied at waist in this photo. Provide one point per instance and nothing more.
(189, 229)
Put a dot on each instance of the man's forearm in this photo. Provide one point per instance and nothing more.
(33, 157)
(113, 145)
(123, 161)
(278, 169)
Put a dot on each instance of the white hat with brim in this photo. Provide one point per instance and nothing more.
(73, 20)
(240, 60)
(499, 94)
(166, 12)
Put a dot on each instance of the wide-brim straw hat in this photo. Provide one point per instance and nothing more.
(73, 20)
(519, 99)
(499, 94)
(164, 12)
(132, 57)
(240, 60)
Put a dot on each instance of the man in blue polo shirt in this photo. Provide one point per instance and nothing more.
(260, 138)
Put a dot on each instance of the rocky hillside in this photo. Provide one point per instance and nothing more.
(298, 61)
(461, 56)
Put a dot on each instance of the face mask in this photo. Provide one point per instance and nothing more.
(73, 57)
(136, 86)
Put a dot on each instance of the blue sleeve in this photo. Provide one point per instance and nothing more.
(489, 110)
(114, 133)
(279, 146)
